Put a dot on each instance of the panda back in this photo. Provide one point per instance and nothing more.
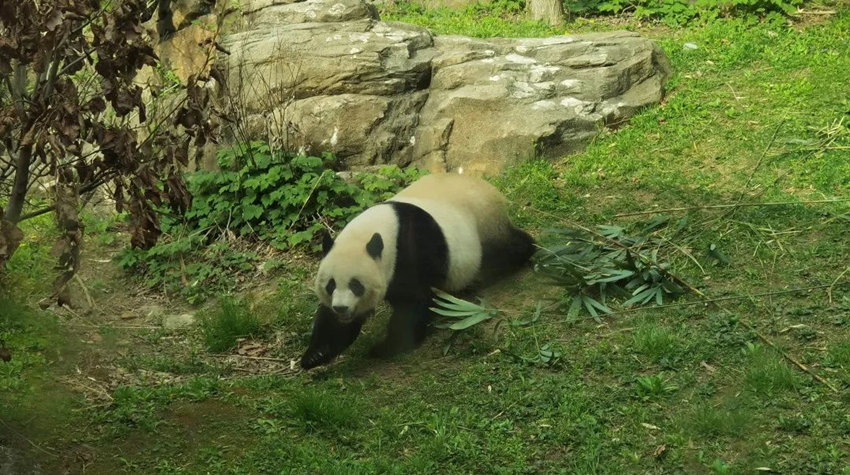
(460, 232)
(481, 200)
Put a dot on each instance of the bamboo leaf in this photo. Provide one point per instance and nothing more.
(470, 321)
(452, 313)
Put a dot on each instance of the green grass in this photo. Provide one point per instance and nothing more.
(709, 421)
(502, 18)
(325, 411)
(767, 373)
(230, 321)
(658, 343)
(679, 389)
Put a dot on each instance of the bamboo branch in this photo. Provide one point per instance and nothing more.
(715, 302)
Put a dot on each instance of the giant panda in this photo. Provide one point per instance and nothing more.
(444, 231)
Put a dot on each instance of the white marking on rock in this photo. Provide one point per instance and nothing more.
(336, 9)
(520, 59)
(355, 51)
(571, 102)
(335, 136)
(522, 90)
(495, 78)
(570, 82)
(361, 37)
(544, 104)
(540, 70)
(556, 40)
(412, 140)
(521, 49)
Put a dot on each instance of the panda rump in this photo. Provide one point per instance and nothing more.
(445, 231)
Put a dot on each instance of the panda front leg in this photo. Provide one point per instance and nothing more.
(407, 328)
(330, 337)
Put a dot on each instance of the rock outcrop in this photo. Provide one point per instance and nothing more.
(328, 75)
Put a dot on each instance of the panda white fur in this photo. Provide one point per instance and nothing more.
(445, 231)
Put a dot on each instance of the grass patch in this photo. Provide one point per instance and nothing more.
(708, 420)
(838, 354)
(230, 321)
(499, 18)
(767, 373)
(659, 343)
(324, 411)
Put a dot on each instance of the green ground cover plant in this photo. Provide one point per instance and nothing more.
(749, 147)
(260, 195)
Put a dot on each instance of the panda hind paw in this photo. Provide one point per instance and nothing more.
(385, 350)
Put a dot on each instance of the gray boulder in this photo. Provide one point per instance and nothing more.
(328, 75)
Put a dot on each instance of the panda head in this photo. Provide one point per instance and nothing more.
(350, 280)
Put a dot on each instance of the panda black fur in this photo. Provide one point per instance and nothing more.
(445, 231)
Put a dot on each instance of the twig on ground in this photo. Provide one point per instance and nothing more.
(756, 167)
(832, 285)
(783, 353)
(248, 357)
(85, 290)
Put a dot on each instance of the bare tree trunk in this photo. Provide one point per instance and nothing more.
(550, 11)
(20, 186)
(10, 238)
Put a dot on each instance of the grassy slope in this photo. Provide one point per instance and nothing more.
(686, 388)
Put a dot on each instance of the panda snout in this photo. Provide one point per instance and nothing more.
(342, 310)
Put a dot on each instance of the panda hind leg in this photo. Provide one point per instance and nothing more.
(505, 255)
(330, 337)
(407, 328)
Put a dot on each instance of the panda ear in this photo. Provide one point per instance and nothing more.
(375, 246)
(327, 242)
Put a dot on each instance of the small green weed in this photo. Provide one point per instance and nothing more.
(651, 387)
(838, 354)
(102, 228)
(283, 197)
(708, 420)
(233, 319)
(767, 373)
(796, 424)
(27, 334)
(31, 268)
(657, 342)
(184, 264)
(324, 411)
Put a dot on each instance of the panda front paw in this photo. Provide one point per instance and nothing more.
(316, 357)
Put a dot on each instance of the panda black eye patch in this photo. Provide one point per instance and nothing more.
(356, 287)
(330, 287)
